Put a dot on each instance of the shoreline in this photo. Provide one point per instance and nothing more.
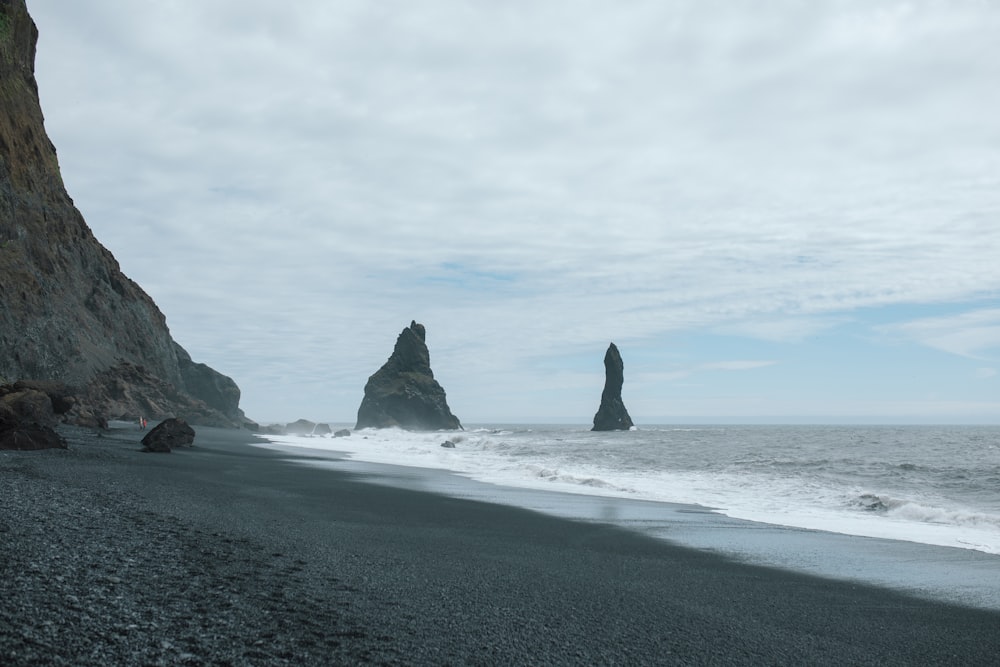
(942, 573)
(820, 495)
(225, 552)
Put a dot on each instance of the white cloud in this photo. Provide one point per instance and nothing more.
(631, 170)
(736, 365)
(972, 334)
(781, 330)
(648, 377)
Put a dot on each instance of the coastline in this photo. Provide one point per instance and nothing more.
(947, 574)
(227, 552)
(846, 480)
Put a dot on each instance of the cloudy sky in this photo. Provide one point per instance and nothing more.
(780, 209)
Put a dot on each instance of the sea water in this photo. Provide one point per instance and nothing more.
(937, 485)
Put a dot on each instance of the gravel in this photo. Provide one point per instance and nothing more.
(225, 554)
(95, 574)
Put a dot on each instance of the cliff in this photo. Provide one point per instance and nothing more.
(69, 314)
(403, 392)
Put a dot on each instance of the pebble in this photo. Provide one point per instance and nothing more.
(62, 608)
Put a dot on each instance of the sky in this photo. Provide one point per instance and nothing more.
(783, 210)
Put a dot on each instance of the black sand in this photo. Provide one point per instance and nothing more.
(225, 554)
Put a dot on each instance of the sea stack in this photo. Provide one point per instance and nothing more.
(612, 415)
(403, 392)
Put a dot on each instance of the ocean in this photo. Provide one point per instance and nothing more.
(936, 485)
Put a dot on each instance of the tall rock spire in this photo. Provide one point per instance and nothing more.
(612, 415)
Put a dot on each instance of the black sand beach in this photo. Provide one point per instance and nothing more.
(226, 554)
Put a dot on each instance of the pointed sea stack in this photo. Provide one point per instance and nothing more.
(612, 415)
(404, 392)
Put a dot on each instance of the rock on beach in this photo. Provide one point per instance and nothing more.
(168, 435)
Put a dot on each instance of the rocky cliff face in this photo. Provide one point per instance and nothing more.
(404, 392)
(612, 415)
(69, 313)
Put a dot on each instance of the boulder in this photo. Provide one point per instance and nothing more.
(300, 427)
(322, 429)
(26, 420)
(168, 435)
(58, 393)
(612, 415)
(89, 419)
(403, 392)
(28, 405)
(25, 435)
(342, 433)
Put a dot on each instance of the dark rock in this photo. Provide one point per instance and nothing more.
(404, 392)
(19, 429)
(218, 391)
(88, 419)
(322, 429)
(250, 425)
(24, 435)
(448, 444)
(58, 393)
(300, 427)
(69, 314)
(342, 433)
(612, 415)
(168, 434)
(127, 392)
(28, 405)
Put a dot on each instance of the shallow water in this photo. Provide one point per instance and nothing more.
(936, 485)
(961, 576)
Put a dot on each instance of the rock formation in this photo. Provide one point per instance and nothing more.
(27, 414)
(168, 435)
(404, 392)
(612, 415)
(23, 435)
(218, 391)
(300, 427)
(69, 314)
(127, 391)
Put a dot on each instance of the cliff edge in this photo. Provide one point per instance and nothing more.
(69, 314)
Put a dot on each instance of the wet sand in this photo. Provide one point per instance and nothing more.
(226, 553)
(959, 575)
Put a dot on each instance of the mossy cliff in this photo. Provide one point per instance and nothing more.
(68, 312)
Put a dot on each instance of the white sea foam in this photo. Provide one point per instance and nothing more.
(806, 477)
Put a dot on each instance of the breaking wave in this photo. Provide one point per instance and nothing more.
(808, 477)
